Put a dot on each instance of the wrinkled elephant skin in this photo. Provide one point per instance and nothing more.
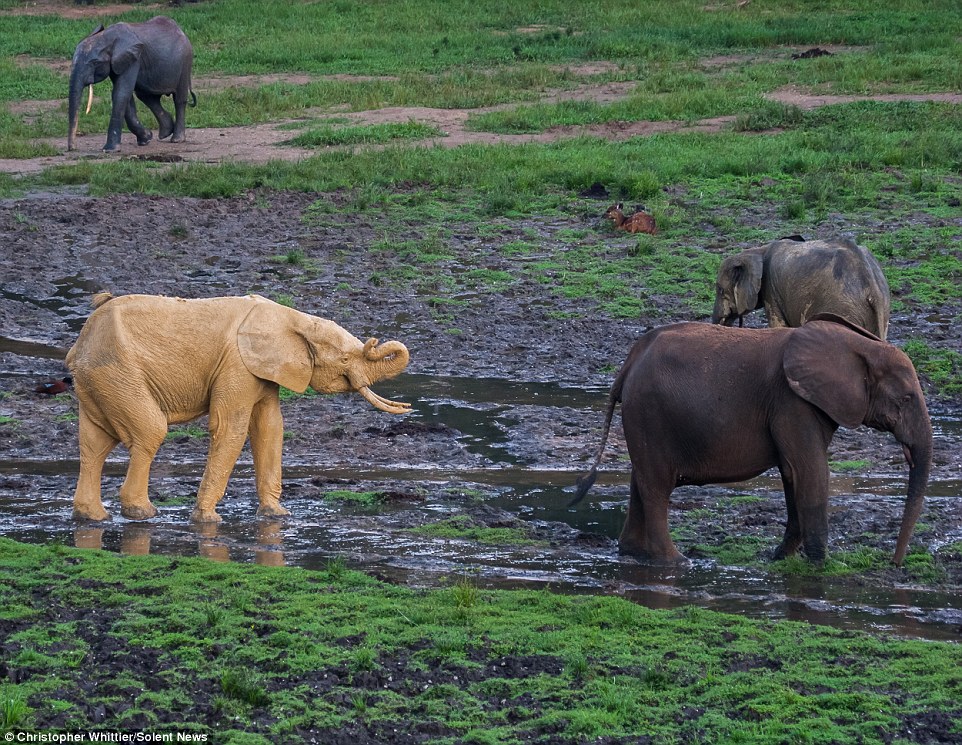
(143, 362)
(794, 281)
(149, 60)
(704, 404)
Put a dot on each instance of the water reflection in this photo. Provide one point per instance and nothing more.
(135, 539)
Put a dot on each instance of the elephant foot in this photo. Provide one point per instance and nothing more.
(179, 138)
(272, 509)
(664, 559)
(785, 550)
(146, 137)
(138, 511)
(94, 513)
(205, 516)
(108, 148)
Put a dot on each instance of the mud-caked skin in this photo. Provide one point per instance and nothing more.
(143, 362)
(149, 60)
(704, 404)
(794, 281)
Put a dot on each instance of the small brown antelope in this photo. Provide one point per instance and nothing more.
(640, 222)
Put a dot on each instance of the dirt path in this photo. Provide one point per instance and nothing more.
(262, 143)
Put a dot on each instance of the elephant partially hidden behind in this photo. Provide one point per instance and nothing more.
(143, 362)
(705, 404)
(796, 280)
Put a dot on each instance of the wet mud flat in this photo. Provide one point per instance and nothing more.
(475, 482)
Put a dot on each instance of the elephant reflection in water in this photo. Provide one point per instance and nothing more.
(135, 540)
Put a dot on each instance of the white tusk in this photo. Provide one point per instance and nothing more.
(90, 98)
(391, 407)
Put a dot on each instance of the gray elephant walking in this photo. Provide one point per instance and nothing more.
(149, 60)
(796, 280)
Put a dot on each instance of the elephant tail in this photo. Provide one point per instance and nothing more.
(193, 99)
(588, 480)
(100, 298)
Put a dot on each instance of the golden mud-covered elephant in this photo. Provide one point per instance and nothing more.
(143, 362)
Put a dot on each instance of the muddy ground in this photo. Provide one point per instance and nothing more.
(507, 411)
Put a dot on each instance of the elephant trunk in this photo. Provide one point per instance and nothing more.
(918, 453)
(77, 84)
(723, 312)
(382, 362)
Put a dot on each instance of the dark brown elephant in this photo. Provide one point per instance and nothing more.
(704, 404)
(794, 281)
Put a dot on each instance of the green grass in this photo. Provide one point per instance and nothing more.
(360, 499)
(849, 466)
(376, 134)
(942, 366)
(273, 651)
(187, 430)
(465, 528)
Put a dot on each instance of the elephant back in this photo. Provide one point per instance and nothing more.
(835, 276)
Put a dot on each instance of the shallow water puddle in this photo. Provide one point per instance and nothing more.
(525, 436)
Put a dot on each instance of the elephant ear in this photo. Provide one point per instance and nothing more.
(273, 347)
(124, 55)
(823, 365)
(744, 272)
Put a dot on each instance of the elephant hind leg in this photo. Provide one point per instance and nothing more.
(165, 122)
(645, 533)
(145, 441)
(95, 445)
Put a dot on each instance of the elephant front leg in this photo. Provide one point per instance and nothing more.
(792, 540)
(806, 497)
(267, 438)
(95, 446)
(228, 431)
(147, 437)
(121, 99)
(143, 134)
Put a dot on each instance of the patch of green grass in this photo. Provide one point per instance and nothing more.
(741, 551)
(849, 466)
(463, 527)
(838, 563)
(286, 394)
(174, 500)
(377, 134)
(243, 685)
(5, 419)
(294, 257)
(941, 366)
(359, 498)
(187, 430)
(568, 664)
(13, 713)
